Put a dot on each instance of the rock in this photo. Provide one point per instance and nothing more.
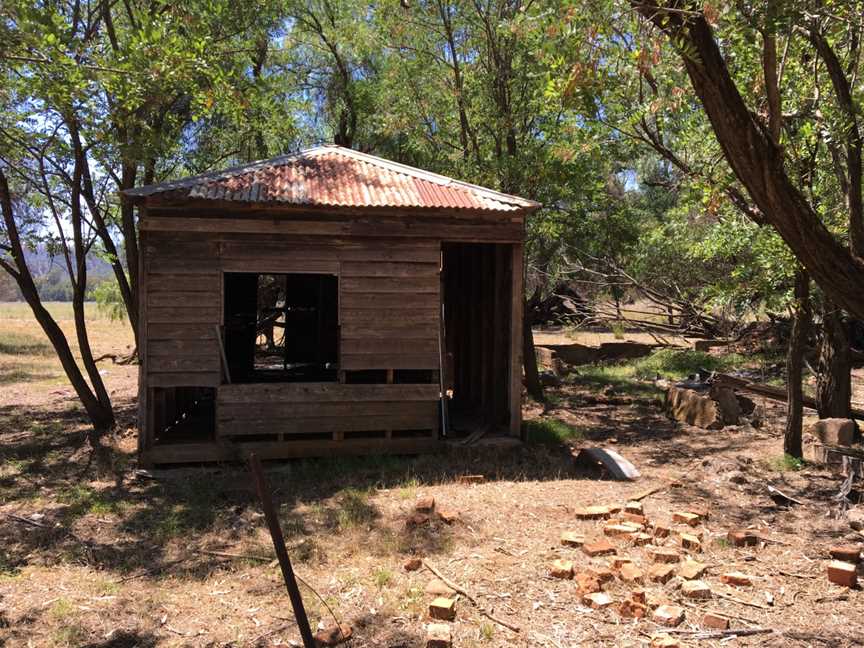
(834, 431)
(668, 615)
(587, 583)
(693, 408)
(561, 569)
(691, 570)
(737, 477)
(425, 504)
(597, 600)
(630, 573)
(742, 538)
(661, 573)
(664, 555)
(572, 539)
(685, 517)
(443, 609)
(600, 548)
(714, 621)
(846, 553)
(842, 573)
(856, 518)
(437, 587)
(696, 589)
(438, 636)
(334, 635)
(727, 403)
(736, 578)
(412, 564)
(665, 641)
(592, 513)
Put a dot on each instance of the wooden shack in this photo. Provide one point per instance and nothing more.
(328, 302)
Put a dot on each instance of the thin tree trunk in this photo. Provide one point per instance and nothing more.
(529, 358)
(834, 378)
(794, 366)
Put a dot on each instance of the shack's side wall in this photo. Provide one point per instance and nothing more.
(389, 307)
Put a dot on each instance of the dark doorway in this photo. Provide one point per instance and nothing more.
(281, 327)
(476, 292)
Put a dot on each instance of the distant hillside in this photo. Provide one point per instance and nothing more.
(51, 277)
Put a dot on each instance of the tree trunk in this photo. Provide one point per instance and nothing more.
(794, 365)
(529, 358)
(834, 378)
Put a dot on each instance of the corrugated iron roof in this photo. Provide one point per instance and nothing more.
(334, 176)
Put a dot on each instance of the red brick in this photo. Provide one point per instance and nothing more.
(664, 555)
(665, 641)
(696, 589)
(587, 583)
(691, 519)
(702, 511)
(619, 561)
(661, 530)
(600, 548)
(448, 516)
(597, 600)
(639, 596)
(634, 507)
(736, 578)
(635, 518)
(603, 574)
(593, 513)
(561, 569)
(630, 573)
(641, 539)
(425, 504)
(417, 520)
(661, 573)
(842, 573)
(715, 621)
(742, 538)
(630, 609)
(438, 636)
(443, 609)
(413, 564)
(620, 529)
(846, 553)
(334, 635)
(668, 615)
(571, 539)
(689, 542)
(691, 569)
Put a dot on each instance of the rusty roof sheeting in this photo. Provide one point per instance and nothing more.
(333, 176)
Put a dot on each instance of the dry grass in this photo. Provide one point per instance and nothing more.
(116, 558)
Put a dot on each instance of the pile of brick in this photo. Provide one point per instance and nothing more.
(843, 568)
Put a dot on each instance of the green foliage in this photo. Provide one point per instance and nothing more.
(551, 431)
(785, 463)
(680, 363)
(109, 301)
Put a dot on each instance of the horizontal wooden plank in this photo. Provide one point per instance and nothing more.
(392, 346)
(282, 410)
(428, 314)
(182, 348)
(159, 247)
(416, 285)
(188, 379)
(358, 361)
(387, 269)
(286, 264)
(189, 282)
(180, 332)
(174, 315)
(347, 251)
(182, 264)
(388, 300)
(326, 424)
(183, 299)
(389, 330)
(324, 393)
(224, 451)
(164, 364)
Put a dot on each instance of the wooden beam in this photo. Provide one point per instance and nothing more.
(517, 301)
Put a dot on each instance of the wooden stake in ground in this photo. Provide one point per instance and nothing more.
(461, 590)
(281, 552)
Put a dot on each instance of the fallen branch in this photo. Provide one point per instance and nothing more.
(720, 634)
(735, 599)
(647, 493)
(225, 554)
(461, 590)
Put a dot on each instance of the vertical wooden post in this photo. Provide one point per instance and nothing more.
(517, 300)
(281, 551)
(145, 429)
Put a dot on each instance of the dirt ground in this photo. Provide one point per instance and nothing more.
(105, 556)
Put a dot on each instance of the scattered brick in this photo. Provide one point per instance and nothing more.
(597, 600)
(620, 529)
(630, 609)
(448, 516)
(742, 538)
(471, 479)
(634, 518)
(696, 589)
(417, 520)
(691, 519)
(600, 548)
(593, 513)
(572, 539)
(614, 509)
(842, 573)
(702, 511)
(736, 578)
(619, 561)
(715, 621)
(438, 636)
(603, 575)
(412, 564)
(561, 569)
(691, 569)
(664, 555)
(661, 530)
(425, 504)
(689, 542)
(846, 553)
(333, 635)
(587, 583)
(634, 507)
(699, 534)
(665, 641)
(631, 573)
(641, 539)
(668, 615)
(443, 609)
(661, 573)
(639, 596)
